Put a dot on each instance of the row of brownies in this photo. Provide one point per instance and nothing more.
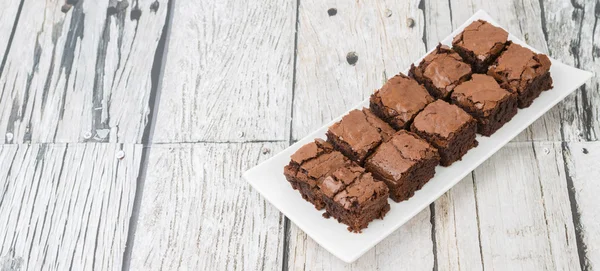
(416, 123)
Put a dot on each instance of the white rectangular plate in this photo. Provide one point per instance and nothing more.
(267, 178)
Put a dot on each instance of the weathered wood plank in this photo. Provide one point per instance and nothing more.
(409, 248)
(521, 18)
(456, 228)
(66, 207)
(328, 82)
(197, 213)
(583, 177)
(80, 76)
(524, 222)
(229, 71)
(345, 51)
(573, 36)
(515, 215)
(556, 27)
(9, 15)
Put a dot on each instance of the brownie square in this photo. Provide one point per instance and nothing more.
(523, 72)
(358, 134)
(399, 101)
(354, 197)
(448, 128)
(441, 71)
(480, 44)
(309, 165)
(405, 163)
(486, 101)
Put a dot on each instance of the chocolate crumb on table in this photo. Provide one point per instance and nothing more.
(522, 72)
(399, 101)
(448, 128)
(486, 101)
(441, 71)
(358, 133)
(480, 44)
(309, 165)
(354, 197)
(405, 163)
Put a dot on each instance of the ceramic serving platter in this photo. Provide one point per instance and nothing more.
(267, 178)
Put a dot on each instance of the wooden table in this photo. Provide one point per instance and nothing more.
(126, 127)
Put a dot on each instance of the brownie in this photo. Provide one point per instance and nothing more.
(358, 134)
(486, 101)
(523, 72)
(309, 165)
(354, 197)
(441, 71)
(399, 101)
(405, 163)
(448, 128)
(480, 44)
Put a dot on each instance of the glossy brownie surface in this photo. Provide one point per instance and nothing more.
(441, 71)
(399, 101)
(482, 93)
(309, 165)
(523, 72)
(358, 133)
(442, 119)
(479, 44)
(405, 163)
(448, 128)
(354, 197)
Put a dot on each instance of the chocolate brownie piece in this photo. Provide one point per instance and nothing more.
(358, 134)
(399, 101)
(405, 163)
(441, 71)
(354, 197)
(486, 101)
(309, 165)
(480, 44)
(448, 128)
(523, 72)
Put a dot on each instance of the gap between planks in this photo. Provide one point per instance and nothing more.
(157, 73)
(286, 221)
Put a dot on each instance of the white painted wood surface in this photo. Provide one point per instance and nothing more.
(584, 174)
(409, 248)
(197, 213)
(8, 14)
(515, 214)
(524, 220)
(229, 71)
(82, 72)
(557, 27)
(237, 71)
(385, 45)
(66, 206)
(573, 36)
(457, 228)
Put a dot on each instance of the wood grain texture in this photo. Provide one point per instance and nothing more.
(327, 85)
(65, 206)
(9, 17)
(515, 215)
(557, 27)
(197, 213)
(384, 42)
(457, 229)
(84, 75)
(581, 160)
(228, 75)
(523, 220)
(573, 36)
(409, 248)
